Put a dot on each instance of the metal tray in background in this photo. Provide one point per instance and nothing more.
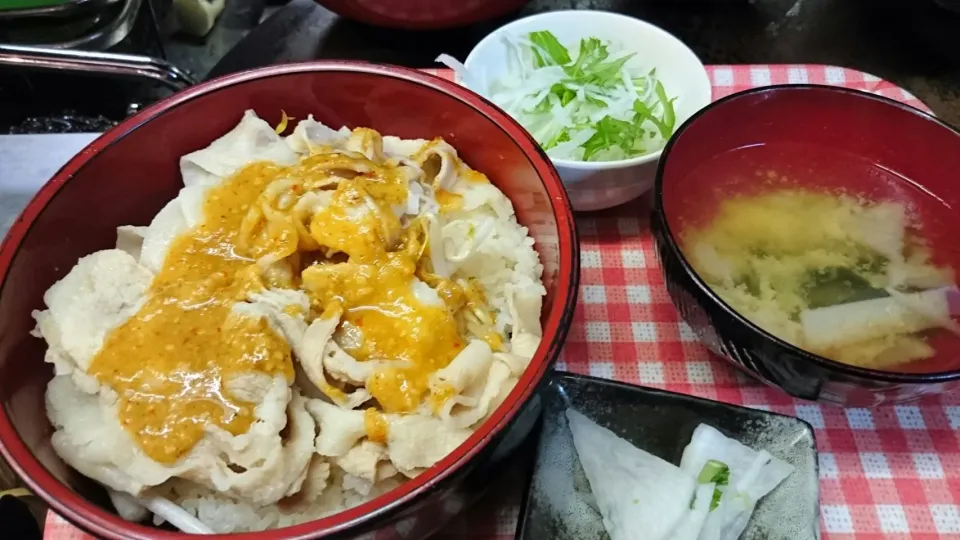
(19, 9)
(80, 24)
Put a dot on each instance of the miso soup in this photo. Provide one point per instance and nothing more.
(838, 262)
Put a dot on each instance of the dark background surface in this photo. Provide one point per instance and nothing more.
(913, 43)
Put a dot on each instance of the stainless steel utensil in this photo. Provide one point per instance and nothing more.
(103, 63)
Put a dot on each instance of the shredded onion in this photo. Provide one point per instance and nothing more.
(599, 105)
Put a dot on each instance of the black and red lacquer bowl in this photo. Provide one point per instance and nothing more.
(825, 138)
(126, 176)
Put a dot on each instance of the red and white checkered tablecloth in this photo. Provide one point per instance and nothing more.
(891, 472)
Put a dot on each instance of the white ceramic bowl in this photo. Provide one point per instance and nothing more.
(597, 185)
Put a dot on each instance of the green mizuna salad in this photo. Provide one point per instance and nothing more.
(588, 104)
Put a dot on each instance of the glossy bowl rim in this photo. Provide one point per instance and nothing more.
(647, 27)
(96, 520)
(673, 245)
(368, 17)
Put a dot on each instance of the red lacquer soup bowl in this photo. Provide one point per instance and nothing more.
(127, 175)
(829, 140)
(421, 14)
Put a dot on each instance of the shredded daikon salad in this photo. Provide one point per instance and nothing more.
(594, 106)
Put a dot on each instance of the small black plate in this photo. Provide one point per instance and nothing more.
(558, 502)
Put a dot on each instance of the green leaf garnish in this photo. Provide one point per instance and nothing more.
(565, 94)
(644, 114)
(562, 136)
(610, 132)
(669, 116)
(592, 52)
(607, 74)
(641, 84)
(717, 473)
(549, 43)
(595, 101)
(593, 81)
(715, 501)
(542, 107)
(714, 472)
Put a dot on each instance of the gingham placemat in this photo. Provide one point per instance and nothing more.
(892, 472)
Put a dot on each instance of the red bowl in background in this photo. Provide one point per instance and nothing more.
(421, 14)
(130, 172)
(825, 138)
